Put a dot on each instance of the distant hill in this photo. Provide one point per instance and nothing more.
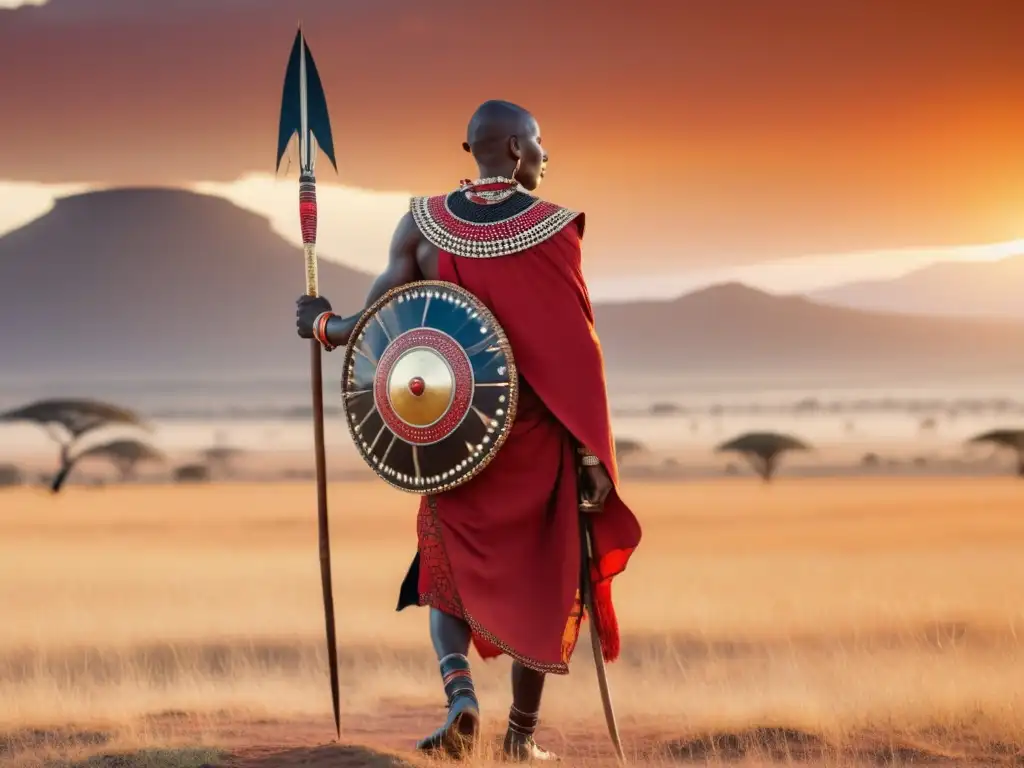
(734, 329)
(155, 282)
(150, 284)
(966, 289)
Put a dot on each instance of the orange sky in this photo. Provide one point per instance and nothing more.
(695, 134)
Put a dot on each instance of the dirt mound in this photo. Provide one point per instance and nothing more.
(268, 743)
(332, 755)
(14, 744)
(150, 758)
(789, 745)
(770, 743)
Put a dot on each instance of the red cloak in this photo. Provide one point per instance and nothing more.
(502, 551)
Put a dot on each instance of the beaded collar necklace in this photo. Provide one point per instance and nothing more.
(493, 189)
(487, 218)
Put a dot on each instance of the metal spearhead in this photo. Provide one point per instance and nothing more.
(304, 110)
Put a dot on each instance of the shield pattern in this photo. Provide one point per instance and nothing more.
(429, 386)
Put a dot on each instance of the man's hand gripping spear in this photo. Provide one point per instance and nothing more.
(304, 111)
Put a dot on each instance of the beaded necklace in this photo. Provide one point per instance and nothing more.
(487, 218)
(488, 191)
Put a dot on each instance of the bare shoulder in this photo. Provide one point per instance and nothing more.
(406, 225)
(411, 251)
(407, 234)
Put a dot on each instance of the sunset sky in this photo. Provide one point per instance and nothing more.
(704, 139)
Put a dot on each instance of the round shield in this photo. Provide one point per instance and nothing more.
(429, 386)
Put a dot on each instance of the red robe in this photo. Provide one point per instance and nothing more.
(502, 551)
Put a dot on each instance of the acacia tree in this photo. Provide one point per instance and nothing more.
(192, 473)
(125, 454)
(66, 421)
(762, 450)
(1005, 438)
(10, 476)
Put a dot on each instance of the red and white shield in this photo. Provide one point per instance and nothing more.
(429, 385)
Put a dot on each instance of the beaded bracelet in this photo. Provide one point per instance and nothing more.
(587, 459)
(320, 329)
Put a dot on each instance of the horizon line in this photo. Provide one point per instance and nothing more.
(263, 194)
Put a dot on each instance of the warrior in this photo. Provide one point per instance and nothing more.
(498, 560)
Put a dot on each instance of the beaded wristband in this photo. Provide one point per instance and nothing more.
(589, 460)
(320, 329)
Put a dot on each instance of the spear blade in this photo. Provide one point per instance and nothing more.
(304, 111)
(301, 77)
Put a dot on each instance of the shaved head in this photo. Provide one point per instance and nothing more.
(495, 121)
(504, 138)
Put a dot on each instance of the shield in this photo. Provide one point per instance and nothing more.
(429, 386)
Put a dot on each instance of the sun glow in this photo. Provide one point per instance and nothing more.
(805, 273)
(21, 202)
(356, 225)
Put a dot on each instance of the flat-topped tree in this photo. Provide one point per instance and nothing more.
(763, 450)
(192, 473)
(66, 421)
(10, 476)
(1005, 438)
(125, 454)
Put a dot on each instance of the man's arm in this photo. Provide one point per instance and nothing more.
(402, 268)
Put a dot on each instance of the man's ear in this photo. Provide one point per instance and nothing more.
(513, 147)
(465, 146)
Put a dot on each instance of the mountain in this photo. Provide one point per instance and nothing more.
(970, 289)
(159, 285)
(731, 329)
(155, 283)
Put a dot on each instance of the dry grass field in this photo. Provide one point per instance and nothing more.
(825, 622)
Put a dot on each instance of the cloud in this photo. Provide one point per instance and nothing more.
(21, 203)
(804, 273)
(354, 225)
(355, 228)
(696, 135)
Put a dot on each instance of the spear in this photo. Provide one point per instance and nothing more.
(304, 111)
(587, 596)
